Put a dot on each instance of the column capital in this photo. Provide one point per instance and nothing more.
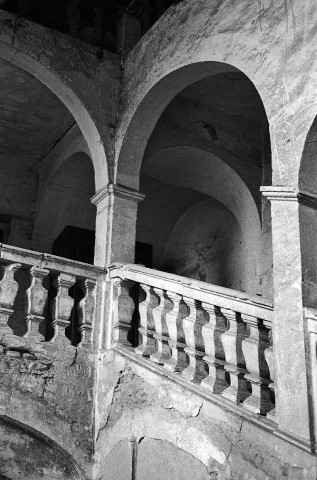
(278, 193)
(117, 190)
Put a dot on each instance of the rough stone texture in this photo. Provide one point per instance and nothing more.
(271, 44)
(91, 405)
(172, 397)
(289, 330)
(175, 424)
(26, 456)
(50, 390)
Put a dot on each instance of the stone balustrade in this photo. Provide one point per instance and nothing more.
(215, 337)
(48, 298)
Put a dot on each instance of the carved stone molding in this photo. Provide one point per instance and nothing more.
(115, 190)
(277, 193)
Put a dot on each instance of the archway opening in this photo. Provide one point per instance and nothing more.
(68, 231)
(36, 131)
(27, 453)
(307, 216)
(203, 216)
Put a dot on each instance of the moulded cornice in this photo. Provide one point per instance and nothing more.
(117, 190)
(278, 193)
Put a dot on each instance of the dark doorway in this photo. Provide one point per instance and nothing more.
(75, 243)
(144, 254)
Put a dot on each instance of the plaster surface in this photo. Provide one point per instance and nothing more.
(140, 406)
(39, 390)
(256, 39)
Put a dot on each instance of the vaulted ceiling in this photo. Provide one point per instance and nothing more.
(32, 118)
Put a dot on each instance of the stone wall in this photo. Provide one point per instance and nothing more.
(192, 237)
(156, 426)
(270, 44)
(73, 72)
(207, 244)
(47, 390)
(59, 84)
(213, 138)
(26, 455)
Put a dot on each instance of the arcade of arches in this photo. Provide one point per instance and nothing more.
(158, 294)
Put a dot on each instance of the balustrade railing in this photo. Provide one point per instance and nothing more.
(48, 298)
(215, 337)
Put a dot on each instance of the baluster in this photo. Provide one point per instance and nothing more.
(161, 333)
(123, 312)
(269, 356)
(178, 360)
(192, 325)
(253, 348)
(8, 291)
(86, 312)
(147, 327)
(215, 354)
(36, 297)
(62, 306)
(235, 363)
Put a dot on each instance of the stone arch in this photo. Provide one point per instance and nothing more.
(237, 35)
(133, 137)
(181, 166)
(75, 190)
(307, 181)
(152, 425)
(169, 461)
(35, 452)
(67, 96)
(73, 143)
(307, 193)
(76, 144)
(221, 181)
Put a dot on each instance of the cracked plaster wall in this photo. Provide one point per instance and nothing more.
(154, 408)
(147, 420)
(49, 389)
(26, 456)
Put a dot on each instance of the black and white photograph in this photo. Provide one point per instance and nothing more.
(158, 239)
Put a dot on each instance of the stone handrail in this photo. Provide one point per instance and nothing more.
(48, 298)
(213, 336)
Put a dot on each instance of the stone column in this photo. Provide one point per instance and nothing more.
(292, 402)
(115, 224)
